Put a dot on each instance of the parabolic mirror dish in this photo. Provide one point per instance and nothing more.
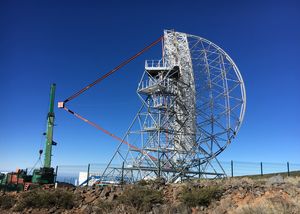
(220, 95)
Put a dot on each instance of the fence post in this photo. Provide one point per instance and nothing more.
(18, 174)
(159, 169)
(232, 168)
(56, 170)
(122, 177)
(261, 169)
(88, 175)
(199, 169)
(6, 183)
(288, 168)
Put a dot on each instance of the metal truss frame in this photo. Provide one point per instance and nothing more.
(193, 104)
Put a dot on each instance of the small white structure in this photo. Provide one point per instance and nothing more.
(93, 178)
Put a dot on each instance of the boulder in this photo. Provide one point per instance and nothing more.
(105, 192)
(278, 179)
(86, 209)
(89, 199)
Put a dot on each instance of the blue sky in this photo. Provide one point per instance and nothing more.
(72, 43)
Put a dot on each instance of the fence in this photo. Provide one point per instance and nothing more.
(71, 174)
(238, 168)
(76, 174)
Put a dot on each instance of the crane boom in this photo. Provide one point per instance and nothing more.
(49, 132)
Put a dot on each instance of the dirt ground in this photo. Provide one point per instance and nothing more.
(234, 196)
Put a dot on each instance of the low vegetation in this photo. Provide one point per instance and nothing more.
(106, 207)
(235, 196)
(7, 201)
(200, 196)
(139, 198)
(270, 206)
(39, 198)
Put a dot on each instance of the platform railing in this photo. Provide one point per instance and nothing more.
(155, 64)
(164, 83)
(159, 102)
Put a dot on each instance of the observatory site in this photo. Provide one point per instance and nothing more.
(146, 111)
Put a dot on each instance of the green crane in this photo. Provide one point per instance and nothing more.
(42, 176)
(49, 133)
(45, 175)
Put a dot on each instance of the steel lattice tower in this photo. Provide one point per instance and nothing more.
(193, 103)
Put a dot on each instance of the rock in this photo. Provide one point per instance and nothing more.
(219, 210)
(96, 209)
(119, 191)
(105, 192)
(156, 209)
(89, 199)
(258, 193)
(111, 197)
(241, 196)
(86, 209)
(176, 192)
(76, 191)
(278, 179)
(195, 210)
(52, 210)
(161, 181)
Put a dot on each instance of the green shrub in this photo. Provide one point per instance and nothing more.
(142, 183)
(200, 196)
(46, 199)
(106, 207)
(7, 201)
(141, 197)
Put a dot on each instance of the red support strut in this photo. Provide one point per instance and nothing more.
(108, 133)
(113, 70)
(62, 104)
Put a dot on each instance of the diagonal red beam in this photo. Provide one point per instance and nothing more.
(113, 70)
(108, 133)
(62, 104)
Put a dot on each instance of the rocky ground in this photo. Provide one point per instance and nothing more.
(232, 196)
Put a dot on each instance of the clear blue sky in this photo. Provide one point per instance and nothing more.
(72, 43)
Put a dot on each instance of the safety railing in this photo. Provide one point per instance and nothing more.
(157, 84)
(155, 64)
